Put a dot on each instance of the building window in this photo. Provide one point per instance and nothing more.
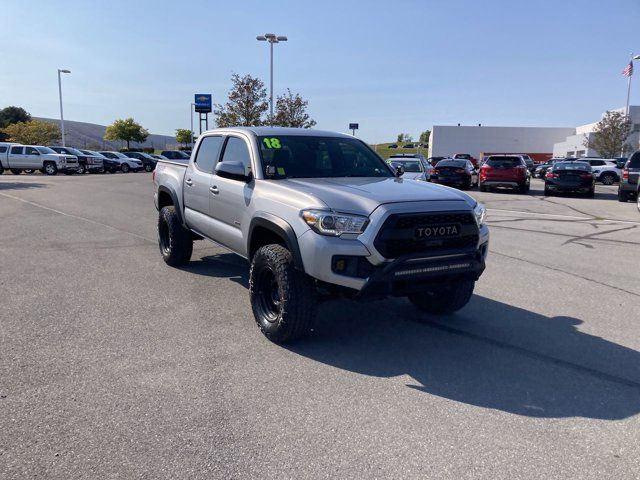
(580, 153)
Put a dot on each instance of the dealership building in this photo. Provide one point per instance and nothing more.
(541, 143)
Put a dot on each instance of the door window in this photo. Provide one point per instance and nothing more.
(16, 150)
(31, 151)
(207, 154)
(237, 151)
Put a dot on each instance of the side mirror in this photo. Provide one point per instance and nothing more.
(399, 170)
(233, 170)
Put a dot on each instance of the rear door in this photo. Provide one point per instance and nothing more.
(231, 197)
(197, 185)
(17, 158)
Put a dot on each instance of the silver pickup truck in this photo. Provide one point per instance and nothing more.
(319, 214)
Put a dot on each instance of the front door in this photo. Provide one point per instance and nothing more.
(32, 158)
(197, 185)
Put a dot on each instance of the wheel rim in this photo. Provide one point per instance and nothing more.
(49, 168)
(148, 168)
(125, 168)
(607, 180)
(164, 237)
(269, 303)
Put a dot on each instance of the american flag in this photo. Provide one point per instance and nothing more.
(628, 70)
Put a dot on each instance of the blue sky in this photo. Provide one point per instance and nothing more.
(394, 67)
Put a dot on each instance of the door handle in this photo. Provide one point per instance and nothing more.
(214, 190)
(189, 182)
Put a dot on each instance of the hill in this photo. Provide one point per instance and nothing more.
(89, 135)
(385, 152)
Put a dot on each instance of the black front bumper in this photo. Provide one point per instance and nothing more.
(416, 273)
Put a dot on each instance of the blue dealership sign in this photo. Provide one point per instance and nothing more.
(203, 102)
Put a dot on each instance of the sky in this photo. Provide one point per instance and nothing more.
(395, 66)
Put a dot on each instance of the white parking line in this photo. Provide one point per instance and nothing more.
(572, 217)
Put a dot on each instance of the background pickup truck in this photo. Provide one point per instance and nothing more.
(319, 214)
(17, 158)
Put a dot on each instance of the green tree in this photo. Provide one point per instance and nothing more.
(610, 135)
(10, 115)
(404, 137)
(34, 132)
(400, 138)
(424, 136)
(183, 135)
(291, 111)
(246, 104)
(127, 130)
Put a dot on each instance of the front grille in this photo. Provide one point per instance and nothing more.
(397, 235)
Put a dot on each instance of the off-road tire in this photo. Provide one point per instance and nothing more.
(291, 315)
(175, 242)
(444, 300)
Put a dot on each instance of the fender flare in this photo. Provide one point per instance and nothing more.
(280, 227)
(174, 197)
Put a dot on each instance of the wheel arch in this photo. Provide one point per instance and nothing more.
(168, 197)
(266, 229)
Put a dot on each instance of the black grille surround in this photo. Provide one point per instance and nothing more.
(397, 237)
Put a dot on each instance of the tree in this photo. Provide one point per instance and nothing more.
(610, 135)
(291, 111)
(34, 132)
(128, 130)
(424, 136)
(183, 135)
(10, 115)
(400, 138)
(246, 104)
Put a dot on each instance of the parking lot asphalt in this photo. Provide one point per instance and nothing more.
(115, 365)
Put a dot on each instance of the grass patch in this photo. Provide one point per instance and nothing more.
(385, 152)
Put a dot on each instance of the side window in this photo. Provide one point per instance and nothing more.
(596, 163)
(237, 151)
(31, 151)
(16, 150)
(635, 160)
(3, 149)
(207, 154)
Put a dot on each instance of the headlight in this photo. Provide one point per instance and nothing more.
(334, 224)
(481, 213)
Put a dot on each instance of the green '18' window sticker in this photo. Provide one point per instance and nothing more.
(272, 142)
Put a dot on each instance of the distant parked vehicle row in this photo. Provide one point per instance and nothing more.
(127, 164)
(18, 158)
(176, 155)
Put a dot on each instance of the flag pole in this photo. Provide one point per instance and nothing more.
(626, 110)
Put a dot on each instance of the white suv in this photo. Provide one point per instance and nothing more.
(605, 170)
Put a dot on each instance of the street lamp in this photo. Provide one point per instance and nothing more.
(271, 38)
(61, 114)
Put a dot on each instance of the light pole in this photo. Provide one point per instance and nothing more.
(61, 114)
(271, 38)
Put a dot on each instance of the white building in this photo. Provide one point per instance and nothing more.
(573, 145)
(539, 142)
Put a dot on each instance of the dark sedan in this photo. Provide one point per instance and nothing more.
(455, 173)
(570, 177)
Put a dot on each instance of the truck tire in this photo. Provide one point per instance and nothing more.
(16, 171)
(444, 300)
(283, 298)
(82, 169)
(50, 168)
(175, 242)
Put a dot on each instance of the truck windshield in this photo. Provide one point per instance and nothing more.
(293, 156)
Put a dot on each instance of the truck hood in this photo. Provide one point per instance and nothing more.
(364, 195)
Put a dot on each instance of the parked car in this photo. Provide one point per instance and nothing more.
(148, 162)
(127, 164)
(345, 224)
(466, 156)
(417, 156)
(413, 168)
(455, 173)
(620, 162)
(570, 177)
(628, 186)
(409, 145)
(19, 158)
(542, 169)
(393, 145)
(528, 161)
(605, 170)
(86, 163)
(505, 171)
(158, 157)
(175, 155)
(434, 160)
(108, 164)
